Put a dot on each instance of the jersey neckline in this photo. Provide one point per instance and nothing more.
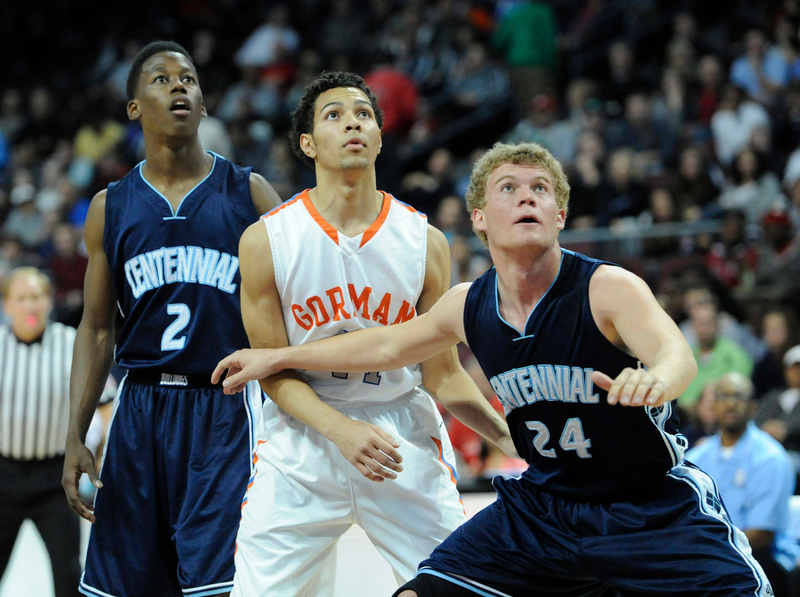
(174, 212)
(524, 333)
(333, 233)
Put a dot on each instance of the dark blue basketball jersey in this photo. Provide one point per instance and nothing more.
(578, 446)
(177, 273)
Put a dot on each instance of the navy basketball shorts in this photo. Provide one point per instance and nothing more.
(175, 470)
(678, 541)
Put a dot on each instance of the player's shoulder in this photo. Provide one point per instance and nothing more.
(608, 277)
(437, 241)
(96, 214)
(264, 197)
(286, 209)
(254, 238)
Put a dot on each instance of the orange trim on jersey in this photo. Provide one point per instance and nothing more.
(312, 211)
(275, 210)
(376, 225)
(409, 208)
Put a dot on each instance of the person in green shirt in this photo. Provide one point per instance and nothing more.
(526, 37)
(715, 355)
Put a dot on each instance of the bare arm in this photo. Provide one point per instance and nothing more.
(373, 349)
(443, 375)
(370, 449)
(91, 359)
(263, 195)
(626, 311)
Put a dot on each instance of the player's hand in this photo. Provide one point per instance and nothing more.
(632, 387)
(78, 460)
(368, 448)
(245, 365)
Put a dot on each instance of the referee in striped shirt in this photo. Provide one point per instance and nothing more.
(35, 360)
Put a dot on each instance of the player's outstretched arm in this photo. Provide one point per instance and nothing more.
(625, 308)
(442, 374)
(263, 195)
(370, 449)
(373, 349)
(91, 360)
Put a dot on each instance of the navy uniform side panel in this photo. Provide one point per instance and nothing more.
(578, 446)
(177, 274)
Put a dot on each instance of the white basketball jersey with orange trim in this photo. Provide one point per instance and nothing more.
(331, 284)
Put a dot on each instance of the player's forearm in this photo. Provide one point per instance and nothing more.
(373, 349)
(298, 400)
(676, 367)
(461, 397)
(91, 362)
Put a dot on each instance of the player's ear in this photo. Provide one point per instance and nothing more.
(478, 220)
(133, 110)
(561, 219)
(307, 146)
(380, 140)
(203, 111)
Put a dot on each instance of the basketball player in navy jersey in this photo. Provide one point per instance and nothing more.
(163, 250)
(586, 364)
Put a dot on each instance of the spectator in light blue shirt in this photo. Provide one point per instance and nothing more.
(763, 70)
(755, 478)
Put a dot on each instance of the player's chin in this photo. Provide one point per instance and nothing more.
(355, 163)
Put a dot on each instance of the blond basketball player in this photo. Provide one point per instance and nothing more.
(342, 449)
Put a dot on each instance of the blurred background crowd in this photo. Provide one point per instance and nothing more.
(678, 123)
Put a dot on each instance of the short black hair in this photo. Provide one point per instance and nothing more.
(155, 47)
(303, 114)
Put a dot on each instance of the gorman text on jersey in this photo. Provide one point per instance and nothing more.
(528, 385)
(169, 265)
(317, 310)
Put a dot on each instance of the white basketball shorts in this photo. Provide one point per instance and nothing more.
(305, 495)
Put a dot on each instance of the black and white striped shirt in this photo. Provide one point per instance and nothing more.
(34, 393)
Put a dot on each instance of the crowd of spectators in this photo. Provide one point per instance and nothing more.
(678, 124)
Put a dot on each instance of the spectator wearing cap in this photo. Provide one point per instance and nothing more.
(779, 410)
(755, 477)
(540, 125)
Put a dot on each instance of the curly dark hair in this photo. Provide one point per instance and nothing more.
(150, 49)
(303, 114)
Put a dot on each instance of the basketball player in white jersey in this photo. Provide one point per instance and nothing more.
(368, 449)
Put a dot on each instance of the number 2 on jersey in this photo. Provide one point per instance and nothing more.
(572, 438)
(168, 340)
